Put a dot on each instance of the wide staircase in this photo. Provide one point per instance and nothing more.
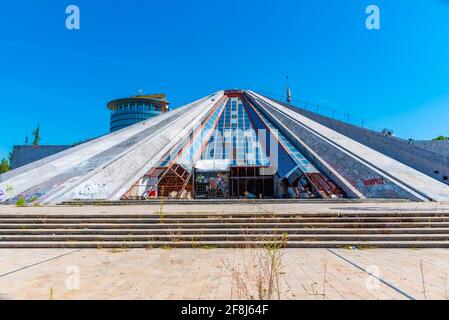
(362, 231)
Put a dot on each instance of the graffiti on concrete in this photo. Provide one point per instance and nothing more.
(220, 183)
(214, 184)
(6, 192)
(92, 191)
(34, 197)
(374, 182)
(9, 190)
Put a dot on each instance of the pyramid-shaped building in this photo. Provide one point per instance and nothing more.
(230, 145)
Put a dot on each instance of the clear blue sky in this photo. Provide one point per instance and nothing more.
(397, 77)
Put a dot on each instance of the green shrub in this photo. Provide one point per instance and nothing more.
(33, 199)
(21, 202)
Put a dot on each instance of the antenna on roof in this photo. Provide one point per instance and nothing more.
(289, 92)
(26, 139)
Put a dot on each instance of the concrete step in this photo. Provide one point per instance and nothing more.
(222, 225)
(226, 237)
(277, 231)
(229, 244)
(224, 220)
(197, 202)
(408, 230)
(407, 214)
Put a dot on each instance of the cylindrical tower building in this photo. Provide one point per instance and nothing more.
(128, 111)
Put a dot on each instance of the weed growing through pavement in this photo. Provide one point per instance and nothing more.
(175, 234)
(51, 294)
(21, 202)
(118, 250)
(161, 210)
(314, 292)
(423, 280)
(445, 287)
(259, 276)
(324, 280)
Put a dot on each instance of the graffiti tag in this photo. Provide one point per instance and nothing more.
(7, 192)
(92, 191)
(374, 182)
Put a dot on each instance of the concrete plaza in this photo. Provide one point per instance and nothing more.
(243, 207)
(205, 274)
(211, 273)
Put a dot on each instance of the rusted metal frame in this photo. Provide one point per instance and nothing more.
(173, 169)
(189, 141)
(150, 173)
(325, 195)
(225, 100)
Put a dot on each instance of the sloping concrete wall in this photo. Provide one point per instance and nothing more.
(86, 150)
(371, 172)
(438, 147)
(59, 172)
(106, 168)
(117, 177)
(425, 156)
(312, 155)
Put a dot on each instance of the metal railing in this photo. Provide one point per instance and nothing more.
(324, 110)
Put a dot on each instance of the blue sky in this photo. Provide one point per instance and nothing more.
(396, 77)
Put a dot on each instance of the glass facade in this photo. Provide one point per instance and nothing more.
(227, 135)
(128, 114)
(192, 153)
(234, 150)
(303, 164)
(232, 133)
(235, 138)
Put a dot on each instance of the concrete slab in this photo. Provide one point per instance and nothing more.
(409, 177)
(306, 274)
(93, 166)
(244, 207)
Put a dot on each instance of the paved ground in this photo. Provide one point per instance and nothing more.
(224, 273)
(305, 207)
(208, 274)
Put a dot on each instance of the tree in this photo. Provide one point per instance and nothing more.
(4, 166)
(441, 138)
(37, 136)
(10, 160)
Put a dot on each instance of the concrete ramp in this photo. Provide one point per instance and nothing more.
(417, 185)
(90, 171)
